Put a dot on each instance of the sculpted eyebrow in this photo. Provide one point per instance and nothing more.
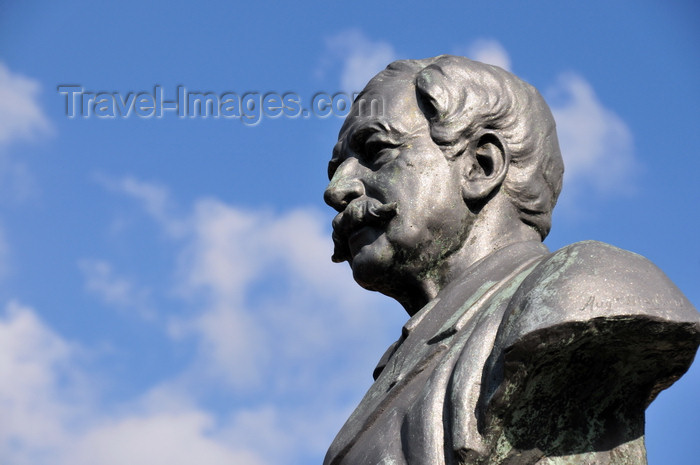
(360, 135)
(354, 139)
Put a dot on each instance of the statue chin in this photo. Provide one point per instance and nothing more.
(372, 260)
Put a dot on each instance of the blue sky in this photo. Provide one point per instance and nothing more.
(166, 290)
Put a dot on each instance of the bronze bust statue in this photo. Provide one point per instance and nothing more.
(444, 177)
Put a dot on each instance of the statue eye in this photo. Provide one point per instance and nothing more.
(379, 151)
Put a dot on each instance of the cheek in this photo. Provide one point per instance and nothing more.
(436, 217)
(414, 180)
(430, 224)
(428, 195)
(436, 200)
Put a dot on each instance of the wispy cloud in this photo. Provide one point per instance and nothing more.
(21, 116)
(596, 143)
(114, 290)
(279, 342)
(154, 198)
(51, 414)
(38, 380)
(359, 56)
(246, 337)
(488, 51)
(21, 119)
(175, 438)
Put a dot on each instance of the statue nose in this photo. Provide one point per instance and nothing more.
(340, 192)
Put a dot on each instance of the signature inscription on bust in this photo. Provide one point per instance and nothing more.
(593, 302)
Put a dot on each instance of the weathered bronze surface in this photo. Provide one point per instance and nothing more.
(444, 177)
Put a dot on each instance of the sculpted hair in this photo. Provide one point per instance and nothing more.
(461, 98)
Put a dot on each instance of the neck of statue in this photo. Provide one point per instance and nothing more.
(496, 226)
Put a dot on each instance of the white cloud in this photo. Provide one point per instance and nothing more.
(596, 143)
(489, 51)
(154, 198)
(292, 429)
(225, 255)
(360, 56)
(270, 316)
(248, 339)
(17, 183)
(281, 342)
(50, 413)
(173, 438)
(37, 381)
(217, 258)
(118, 291)
(21, 116)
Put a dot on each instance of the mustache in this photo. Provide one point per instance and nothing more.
(358, 214)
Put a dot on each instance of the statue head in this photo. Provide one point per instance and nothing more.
(440, 162)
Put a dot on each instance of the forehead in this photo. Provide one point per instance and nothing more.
(388, 105)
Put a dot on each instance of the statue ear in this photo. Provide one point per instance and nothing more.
(485, 165)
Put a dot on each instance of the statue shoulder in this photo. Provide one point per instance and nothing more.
(593, 333)
(589, 280)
